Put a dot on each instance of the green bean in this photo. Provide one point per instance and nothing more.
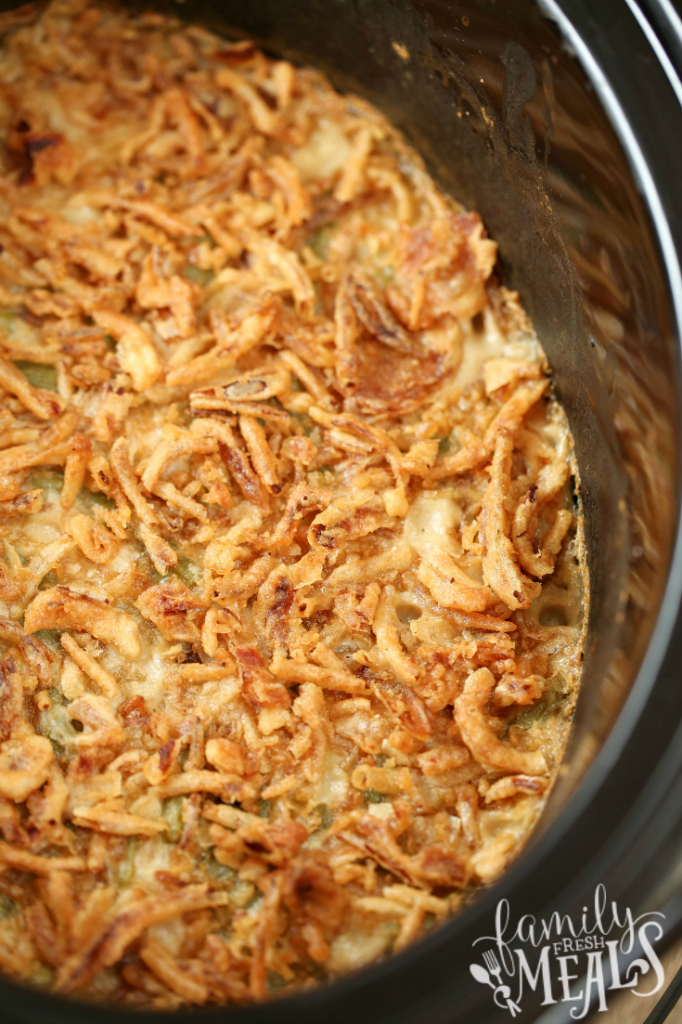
(50, 638)
(88, 499)
(187, 571)
(38, 374)
(201, 240)
(221, 872)
(172, 812)
(126, 869)
(49, 581)
(540, 712)
(8, 317)
(275, 982)
(326, 816)
(372, 796)
(47, 479)
(319, 241)
(8, 907)
(58, 728)
(42, 976)
(264, 808)
(198, 276)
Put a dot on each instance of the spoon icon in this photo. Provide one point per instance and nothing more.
(481, 975)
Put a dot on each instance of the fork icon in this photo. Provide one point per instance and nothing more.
(502, 990)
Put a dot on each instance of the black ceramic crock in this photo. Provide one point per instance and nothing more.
(561, 122)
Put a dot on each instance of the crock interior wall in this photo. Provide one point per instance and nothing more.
(509, 124)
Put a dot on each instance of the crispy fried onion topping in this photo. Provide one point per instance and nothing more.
(285, 501)
(66, 608)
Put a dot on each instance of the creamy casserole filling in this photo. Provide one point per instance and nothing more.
(291, 582)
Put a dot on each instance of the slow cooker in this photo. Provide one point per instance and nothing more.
(561, 122)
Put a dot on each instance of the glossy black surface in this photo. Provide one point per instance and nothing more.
(574, 166)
